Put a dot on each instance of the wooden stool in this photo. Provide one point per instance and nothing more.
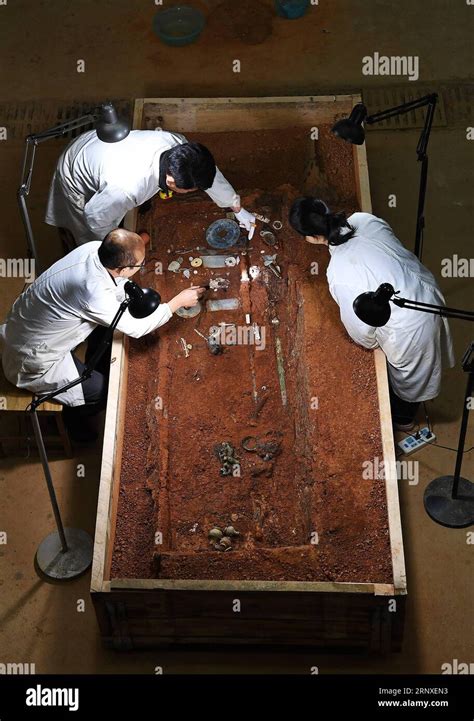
(14, 401)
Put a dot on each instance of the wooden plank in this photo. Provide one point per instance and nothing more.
(220, 114)
(134, 584)
(252, 100)
(362, 178)
(16, 400)
(129, 618)
(191, 602)
(117, 464)
(112, 432)
(391, 480)
(362, 175)
(113, 439)
(347, 645)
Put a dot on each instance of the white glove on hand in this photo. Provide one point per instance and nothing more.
(247, 221)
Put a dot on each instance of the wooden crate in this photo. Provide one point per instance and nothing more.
(141, 613)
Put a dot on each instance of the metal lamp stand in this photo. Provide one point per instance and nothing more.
(352, 130)
(449, 500)
(421, 151)
(67, 552)
(109, 128)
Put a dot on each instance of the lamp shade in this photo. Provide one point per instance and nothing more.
(373, 307)
(143, 301)
(351, 128)
(109, 127)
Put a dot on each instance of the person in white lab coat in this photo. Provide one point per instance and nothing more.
(96, 183)
(64, 306)
(364, 254)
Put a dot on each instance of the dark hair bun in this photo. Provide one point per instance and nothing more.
(311, 216)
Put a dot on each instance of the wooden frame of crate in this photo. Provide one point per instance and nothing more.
(141, 613)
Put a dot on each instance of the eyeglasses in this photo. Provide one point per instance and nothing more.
(142, 265)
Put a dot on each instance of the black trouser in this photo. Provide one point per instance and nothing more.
(68, 241)
(95, 387)
(403, 412)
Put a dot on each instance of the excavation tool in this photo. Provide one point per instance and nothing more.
(269, 261)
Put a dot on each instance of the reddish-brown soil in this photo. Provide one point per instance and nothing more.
(180, 408)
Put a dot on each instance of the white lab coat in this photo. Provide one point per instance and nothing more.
(56, 313)
(415, 343)
(97, 183)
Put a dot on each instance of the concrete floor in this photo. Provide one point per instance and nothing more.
(39, 622)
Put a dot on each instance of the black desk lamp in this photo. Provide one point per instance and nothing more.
(448, 500)
(110, 129)
(67, 552)
(352, 130)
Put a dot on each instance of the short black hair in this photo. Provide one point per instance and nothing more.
(114, 253)
(192, 166)
(310, 216)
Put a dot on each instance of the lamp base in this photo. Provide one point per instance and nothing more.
(446, 510)
(55, 563)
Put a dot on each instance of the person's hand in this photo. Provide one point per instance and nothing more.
(246, 220)
(187, 298)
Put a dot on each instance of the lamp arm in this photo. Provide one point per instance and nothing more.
(404, 108)
(421, 148)
(425, 133)
(429, 100)
(64, 127)
(106, 341)
(89, 367)
(27, 170)
(33, 140)
(441, 310)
